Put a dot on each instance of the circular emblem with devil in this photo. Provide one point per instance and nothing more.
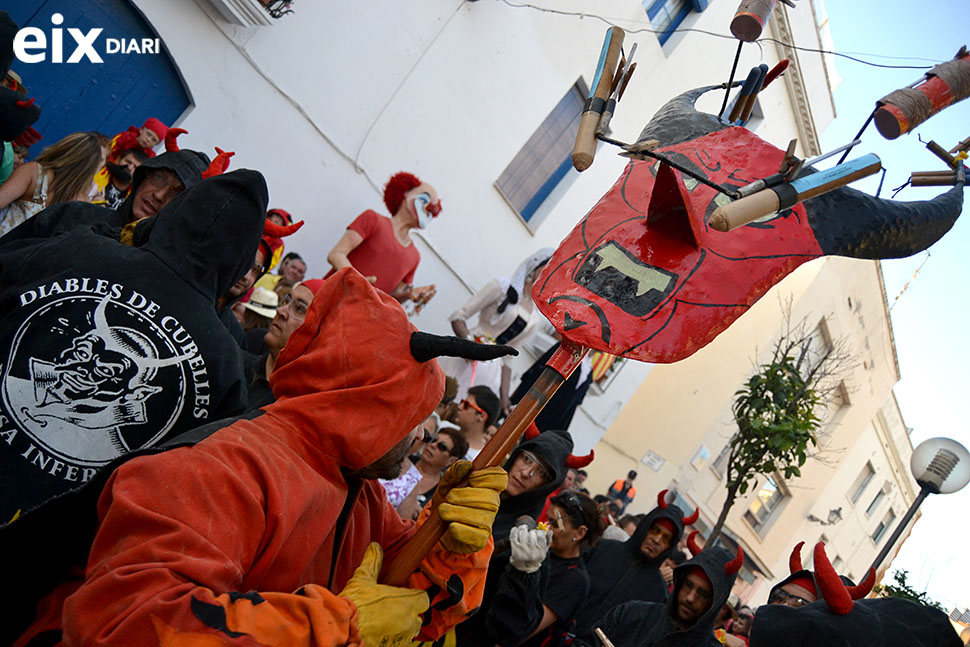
(90, 379)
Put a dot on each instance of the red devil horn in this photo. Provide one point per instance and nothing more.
(25, 104)
(863, 588)
(577, 462)
(280, 231)
(735, 564)
(172, 146)
(531, 431)
(833, 590)
(218, 165)
(795, 559)
(662, 499)
(691, 519)
(692, 546)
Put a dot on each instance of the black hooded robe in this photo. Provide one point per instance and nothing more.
(108, 348)
(651, 624)
(619, 572)
(551, 447)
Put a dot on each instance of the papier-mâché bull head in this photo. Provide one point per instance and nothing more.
(644, 274)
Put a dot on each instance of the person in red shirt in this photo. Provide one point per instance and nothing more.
(381, 248)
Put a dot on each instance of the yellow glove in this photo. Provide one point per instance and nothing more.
(388, 616)
(470, 510)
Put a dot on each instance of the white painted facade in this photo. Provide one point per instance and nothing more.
(328, 102)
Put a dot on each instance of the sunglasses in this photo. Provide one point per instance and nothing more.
(781, 596)
(442, 447)
(465, 404)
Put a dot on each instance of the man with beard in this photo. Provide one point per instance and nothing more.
(701, 587)
(630, 570)
(252, 534)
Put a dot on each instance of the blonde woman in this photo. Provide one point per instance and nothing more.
(61, 173)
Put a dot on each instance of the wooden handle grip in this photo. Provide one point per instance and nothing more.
(565, 359)
(585, 147)
(741, 212)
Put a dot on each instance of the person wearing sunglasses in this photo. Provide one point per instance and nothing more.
(437, 456)
(475, 412)
(542, 606)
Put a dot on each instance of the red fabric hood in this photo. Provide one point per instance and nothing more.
(346, 380)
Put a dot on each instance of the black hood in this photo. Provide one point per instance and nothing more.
(8, 30)
(674, 514)
(712, 561)
(13, 119)
(188, 165)
(209, 233)
(551, 447)
(886, 622)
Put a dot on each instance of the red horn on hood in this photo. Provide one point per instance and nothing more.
(692, 546)
(863, 588)
(531, 431)
(735, 564)
(692, 518)
(662, 499)
(834, 592)
(218, 165)
(280, 231)
(172, 146)
(25, 104)
(576, 462)
(795, 559)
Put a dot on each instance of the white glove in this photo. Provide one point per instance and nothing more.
(529, 548)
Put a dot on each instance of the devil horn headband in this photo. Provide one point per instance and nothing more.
(795, 559)
(171, 145)
(735, 564)
(692, 546)
(662, 499)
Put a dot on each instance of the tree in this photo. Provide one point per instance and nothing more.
(902, 589)
(776, 410)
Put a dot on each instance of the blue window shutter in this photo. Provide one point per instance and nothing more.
(699, 5)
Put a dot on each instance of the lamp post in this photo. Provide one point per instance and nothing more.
(940, 466)
(835, 516)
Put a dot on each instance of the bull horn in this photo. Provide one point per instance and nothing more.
(851, 223)
(662, 499)
(680, 121)
(577, 462)
(735, 564)
(833, 591)
(692, 546)
(795, 559)
(687, 521)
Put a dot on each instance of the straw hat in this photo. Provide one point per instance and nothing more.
(263, 302)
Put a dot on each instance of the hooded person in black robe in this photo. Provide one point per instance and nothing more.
(553, 449)
(17, 113)
(655, 624)
(841, 618)
(620, 571)
(187, 165)
(108, 347)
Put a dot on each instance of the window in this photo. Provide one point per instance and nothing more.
(880, 495)
(769, 499)
(720, 463)
(862, 481)
(545, 159)
(883, 525)
(667, 15)
(836, 563)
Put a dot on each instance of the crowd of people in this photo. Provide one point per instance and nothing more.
(201, 445)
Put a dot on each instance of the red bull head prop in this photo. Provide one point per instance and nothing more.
(645, 276)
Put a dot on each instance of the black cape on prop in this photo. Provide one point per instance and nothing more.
(108, 348)
(551, 447)
(651, 624)
(620, 573)
(886, 622)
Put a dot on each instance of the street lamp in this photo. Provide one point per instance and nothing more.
(835, 516)
(941, 466)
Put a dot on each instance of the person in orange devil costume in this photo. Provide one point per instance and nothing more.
(251, 536)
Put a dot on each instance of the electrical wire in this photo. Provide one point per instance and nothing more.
(610, 21)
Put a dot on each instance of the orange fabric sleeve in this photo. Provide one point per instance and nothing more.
(162, 550)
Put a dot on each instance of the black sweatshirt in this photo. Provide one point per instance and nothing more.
(107, 348)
